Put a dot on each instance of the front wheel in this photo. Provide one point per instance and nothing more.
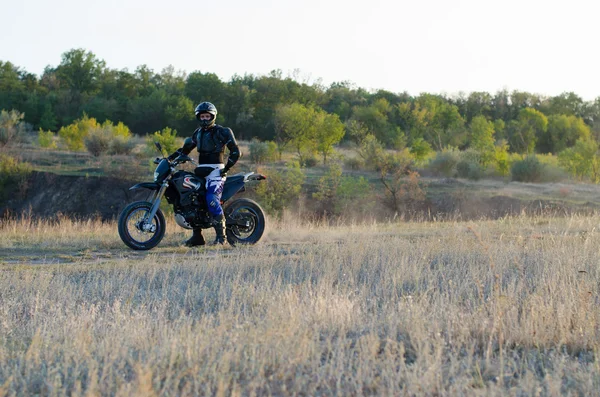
(138, 234)
(245, 222)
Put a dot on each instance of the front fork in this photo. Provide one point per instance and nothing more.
(156, 199)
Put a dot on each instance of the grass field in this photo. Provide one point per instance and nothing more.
(481, 308)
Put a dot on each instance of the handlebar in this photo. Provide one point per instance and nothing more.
(177, 160)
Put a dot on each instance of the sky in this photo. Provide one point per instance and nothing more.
(435, 46)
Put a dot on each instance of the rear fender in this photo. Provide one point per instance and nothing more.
(235, 183)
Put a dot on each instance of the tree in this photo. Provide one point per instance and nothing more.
(329, 131)
(420, 149)
(48, 120)
(563, 132)
(478, 104)
(80, 70)
(200, 87)
(179, 113)
(567, 103)
(582, 160)
(443, 122)
(295, 126)
(482, 139)
(524, 132)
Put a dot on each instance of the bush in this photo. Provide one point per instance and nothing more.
(282, 188)
(73, 135)
(109, 138)
(354, 163)
(120, 145)
(97, 141)
(13, 175)
(309, 161)
(401, 162)
(46, 139)
(527, 170)
(338, 194)
(445, 163)
(354, 195)
(263, 152)
(469, 170)
(167, 139)
(11, 126)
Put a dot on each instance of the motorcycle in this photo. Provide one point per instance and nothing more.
(142, 223)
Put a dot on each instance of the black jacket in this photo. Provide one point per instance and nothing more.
(211, 144)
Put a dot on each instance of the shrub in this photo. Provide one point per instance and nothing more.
(328, 184)
(469, 170)
(445, 163)
(73, 135)
(527, 170)
(109, 138)
(120, 145)
(354, 163)
(354, 194)
(97, 141)
(11, 126)
(338, 194)
(167, 139)
(263, 152)
(282, 188)
(46, 139)
(309, 161)
(401, 162)
(582, 160)
(13, 175)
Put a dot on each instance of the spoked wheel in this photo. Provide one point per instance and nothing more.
(245, 222)
(138, 234)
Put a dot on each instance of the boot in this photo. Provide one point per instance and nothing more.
(219, 225)
(196, 239)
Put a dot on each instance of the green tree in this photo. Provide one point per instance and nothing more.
(482, 139)
(501, 157)
(563, 132)
(527, 129)
(443, 122)
(328, 132)
(582, 160)
(48, 120)
(80, 70)
(295, 126)
(420, 149)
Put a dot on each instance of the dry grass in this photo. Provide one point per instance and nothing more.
(482, 308)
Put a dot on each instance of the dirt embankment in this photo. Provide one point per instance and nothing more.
(47, 195)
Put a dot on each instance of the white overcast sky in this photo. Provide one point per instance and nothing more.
(436, 46)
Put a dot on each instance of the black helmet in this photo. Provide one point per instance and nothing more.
(206, 107)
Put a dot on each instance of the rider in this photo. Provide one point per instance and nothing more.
(210, 140)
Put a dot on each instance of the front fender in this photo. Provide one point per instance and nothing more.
(146, 185)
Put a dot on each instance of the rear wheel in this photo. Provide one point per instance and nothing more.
(138, 234)
(245, 222)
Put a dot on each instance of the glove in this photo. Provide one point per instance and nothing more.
(224, 172)
(174, 155)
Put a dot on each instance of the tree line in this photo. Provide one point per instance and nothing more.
(265, 107)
